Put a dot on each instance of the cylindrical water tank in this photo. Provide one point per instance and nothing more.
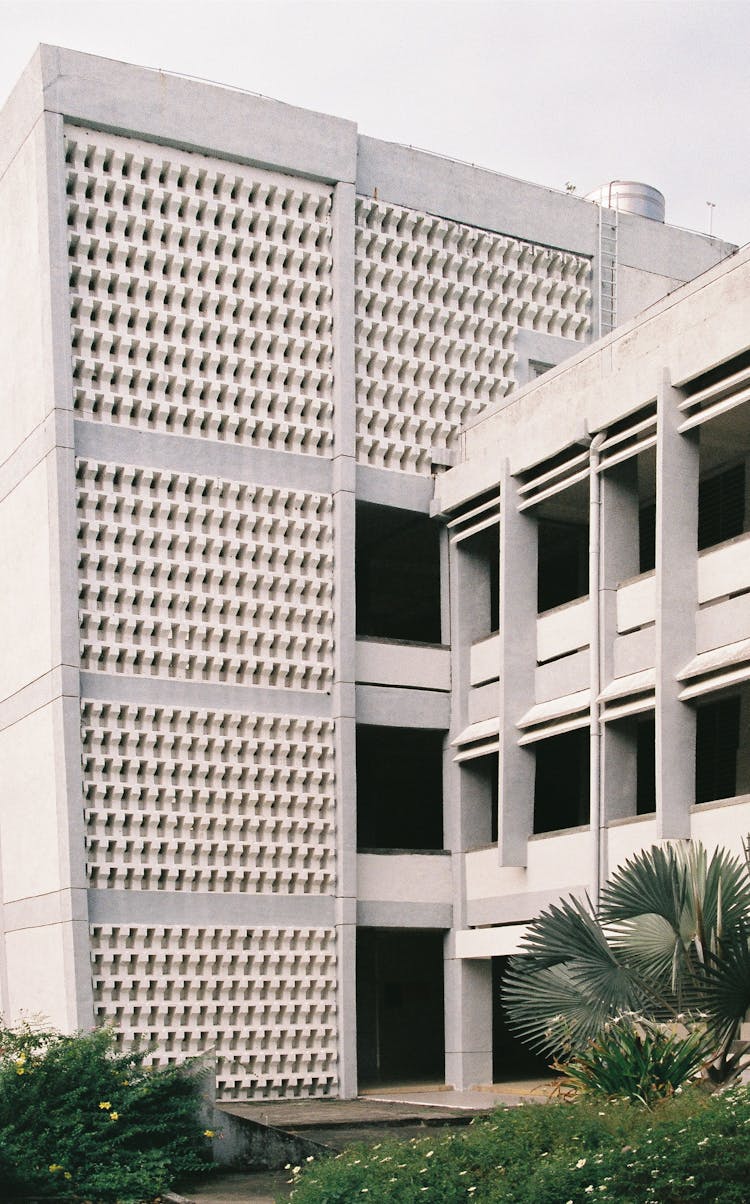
(630, 197)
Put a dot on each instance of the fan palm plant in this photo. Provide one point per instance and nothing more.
(671, 940)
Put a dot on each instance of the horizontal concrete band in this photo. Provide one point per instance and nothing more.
(476, 196)
(392, 706)
(197, 115)
(198, 695)
(373, 914)
(55, 430)
(386, 487)
(38, 911)
(204, 457)
(193, 909)
(252, 465)
(61, 682)
(515, 909)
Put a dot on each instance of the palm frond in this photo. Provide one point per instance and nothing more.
(726, 996)
(567, 981)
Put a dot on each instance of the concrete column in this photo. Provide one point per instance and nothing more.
(677, 474)
(45, 952)
(344, 631)
(467, 985)
(468, 1020)
(518, 614)
(619, 561)
(64, 579)
(619, 548)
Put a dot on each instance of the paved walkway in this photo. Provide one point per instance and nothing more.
(257, 1187)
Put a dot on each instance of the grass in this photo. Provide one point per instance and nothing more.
(692, 1147)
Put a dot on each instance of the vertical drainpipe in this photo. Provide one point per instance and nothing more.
(595, 606)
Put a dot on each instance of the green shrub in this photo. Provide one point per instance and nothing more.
(691, 1148)
(637, 1059)
(79, 1120)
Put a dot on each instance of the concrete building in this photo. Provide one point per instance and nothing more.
(287, 754)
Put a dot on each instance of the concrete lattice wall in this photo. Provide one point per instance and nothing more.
(437, 307)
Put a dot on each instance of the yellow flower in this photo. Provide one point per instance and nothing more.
(114, 1116)
(54, 1167)
(20, 1059)
(208, 1133)
(20, 1070)
(67, 1175)
(105, 1105)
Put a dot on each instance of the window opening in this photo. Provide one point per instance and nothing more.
(397, 574)
(645, 787)
(480, 799)
(721, 506)
(717, 741)
(561, 785)
(399, 788)
(563, 563)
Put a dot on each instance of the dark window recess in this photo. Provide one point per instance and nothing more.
(717, 739)
(484, 549)
(563, 563)
(721, 507)
(399, 788)
(397, 574)
(561, 787)
(645, 771)
(647, 538)
(482, 797)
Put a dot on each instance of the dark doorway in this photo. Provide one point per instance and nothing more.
(511, 1059)
(400, 1019)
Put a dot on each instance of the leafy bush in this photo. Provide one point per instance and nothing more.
(692, 1148)
(639, 1060)
(79, 1120)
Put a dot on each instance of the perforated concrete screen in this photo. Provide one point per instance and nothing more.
(265, 999)
(204, 580)
(200, 298)
(201, 295)
(437, 305)
(200, 800)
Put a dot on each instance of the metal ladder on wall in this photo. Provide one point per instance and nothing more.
(608, 228)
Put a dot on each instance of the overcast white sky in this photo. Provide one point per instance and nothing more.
(547, 90)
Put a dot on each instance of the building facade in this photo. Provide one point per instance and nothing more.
(262, 791)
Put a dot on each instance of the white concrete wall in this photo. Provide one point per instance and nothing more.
(26, 617)
(42, 924)
(25, 396)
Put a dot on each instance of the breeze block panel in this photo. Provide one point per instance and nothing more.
(191, 800)
(200, 294)
(263, 1000)
(437, 305)
(204, 580)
